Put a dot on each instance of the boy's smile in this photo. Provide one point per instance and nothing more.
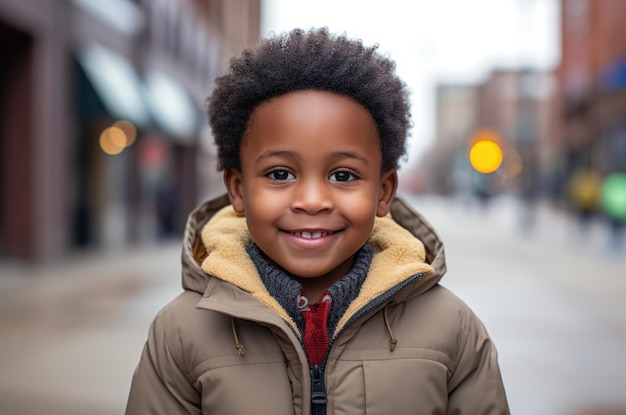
(311, 184)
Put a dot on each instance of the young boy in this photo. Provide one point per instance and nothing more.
(310, 288)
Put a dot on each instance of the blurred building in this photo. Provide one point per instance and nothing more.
(519, 106)
(557, 124)
(456, 118)
(592, 86)
(515, 107)
(103, 137)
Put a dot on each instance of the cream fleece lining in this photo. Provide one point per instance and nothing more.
(398, 255)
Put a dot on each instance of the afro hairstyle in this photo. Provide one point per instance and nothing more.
(309, 60)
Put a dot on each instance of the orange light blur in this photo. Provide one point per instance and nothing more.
(114, 139)
(129, 130)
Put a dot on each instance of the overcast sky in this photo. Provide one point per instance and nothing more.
(434, 40)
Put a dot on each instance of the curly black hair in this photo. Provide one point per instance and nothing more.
(309, 60)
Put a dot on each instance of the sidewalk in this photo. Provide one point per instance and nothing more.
(72, 331)
(553, 300)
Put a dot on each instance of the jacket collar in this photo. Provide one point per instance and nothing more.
(214, 250)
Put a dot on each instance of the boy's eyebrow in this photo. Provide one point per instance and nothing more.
(276, 153)
(292, 154)
(352, 155)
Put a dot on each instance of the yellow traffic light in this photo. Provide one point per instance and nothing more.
(485, 152)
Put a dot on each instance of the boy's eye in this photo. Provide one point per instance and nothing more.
(280, 174)
(343, 176)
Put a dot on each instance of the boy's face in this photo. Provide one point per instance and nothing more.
(310, 184)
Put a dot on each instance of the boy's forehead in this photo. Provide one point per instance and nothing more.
(312, 116)
(308, 107)
(303, 104)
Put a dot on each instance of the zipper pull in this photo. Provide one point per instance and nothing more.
(318, 390)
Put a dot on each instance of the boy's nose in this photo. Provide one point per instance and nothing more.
(312, 196)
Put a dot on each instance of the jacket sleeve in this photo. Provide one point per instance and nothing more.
(159, 384)
(475, 386)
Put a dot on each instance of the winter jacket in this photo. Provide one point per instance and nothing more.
(406, 345)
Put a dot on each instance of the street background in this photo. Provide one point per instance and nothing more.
(553, 301)
(517, 155)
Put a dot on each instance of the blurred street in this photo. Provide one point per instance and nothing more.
(553, 300)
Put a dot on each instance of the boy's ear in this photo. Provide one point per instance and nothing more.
(388, 187)
(233, 181)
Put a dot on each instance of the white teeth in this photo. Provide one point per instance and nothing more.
(310, 235)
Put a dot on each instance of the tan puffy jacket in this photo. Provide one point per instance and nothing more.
(406, 345)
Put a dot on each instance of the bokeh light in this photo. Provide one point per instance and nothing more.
(613, 196)
(129, 130)
(114, 139)
(485, 156)
(583, 189)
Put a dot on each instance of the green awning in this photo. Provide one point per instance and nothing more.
(116, 82)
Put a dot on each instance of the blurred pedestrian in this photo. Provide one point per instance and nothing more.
(309, 287)
(583, 195)
(167, 204)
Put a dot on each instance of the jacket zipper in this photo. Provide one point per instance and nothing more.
(318, 391)
(319, 398)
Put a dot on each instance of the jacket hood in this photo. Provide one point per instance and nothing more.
(404, 245)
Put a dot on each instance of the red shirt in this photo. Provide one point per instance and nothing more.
(315, 327)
